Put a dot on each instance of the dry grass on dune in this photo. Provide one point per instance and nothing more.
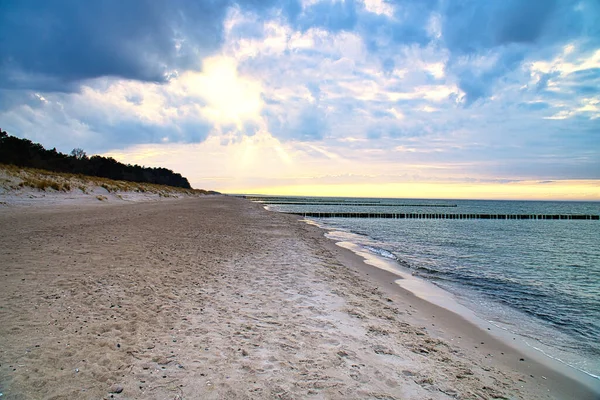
(15, 178)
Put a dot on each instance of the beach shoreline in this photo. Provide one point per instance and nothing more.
(455, 320)
(218, 298)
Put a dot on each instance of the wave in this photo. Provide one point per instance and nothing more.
(382, 252)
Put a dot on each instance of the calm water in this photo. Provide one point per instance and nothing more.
(540, 279)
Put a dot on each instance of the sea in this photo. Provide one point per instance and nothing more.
(536, 278)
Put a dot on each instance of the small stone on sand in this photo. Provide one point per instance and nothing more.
(116, 388)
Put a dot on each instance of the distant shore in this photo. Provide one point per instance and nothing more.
(214, 297)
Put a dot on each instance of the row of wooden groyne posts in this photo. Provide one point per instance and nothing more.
(413, 215)
(329, 202)
(447, 216)
(291, 203)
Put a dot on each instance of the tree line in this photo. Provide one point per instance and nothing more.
(25, 153)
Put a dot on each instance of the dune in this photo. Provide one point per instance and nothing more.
(30, 186)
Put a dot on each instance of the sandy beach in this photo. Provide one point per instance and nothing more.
(217, 298)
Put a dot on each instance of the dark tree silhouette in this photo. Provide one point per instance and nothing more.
(25, 153)
(78, 153)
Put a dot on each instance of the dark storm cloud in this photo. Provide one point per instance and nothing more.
(49, 45)
(54, 45)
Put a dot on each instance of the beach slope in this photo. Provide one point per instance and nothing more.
(216, 298)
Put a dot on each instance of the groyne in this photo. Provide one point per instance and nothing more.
(449, 216)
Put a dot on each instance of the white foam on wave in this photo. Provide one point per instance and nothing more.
(430, 292)
(382, 252)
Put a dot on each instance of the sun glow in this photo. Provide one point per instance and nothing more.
(587, 190)
(261, 164)
(229, 97)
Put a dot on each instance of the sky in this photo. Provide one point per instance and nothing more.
(410, 99)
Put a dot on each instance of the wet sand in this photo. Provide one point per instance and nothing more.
(216, 298)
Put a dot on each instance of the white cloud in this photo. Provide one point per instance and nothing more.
(566, 63)
(586, 106)
(559, 77)
(435, 93)
(380, 7)
(299, 40)
(434, 27)
(436, 69)
(396, 114)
